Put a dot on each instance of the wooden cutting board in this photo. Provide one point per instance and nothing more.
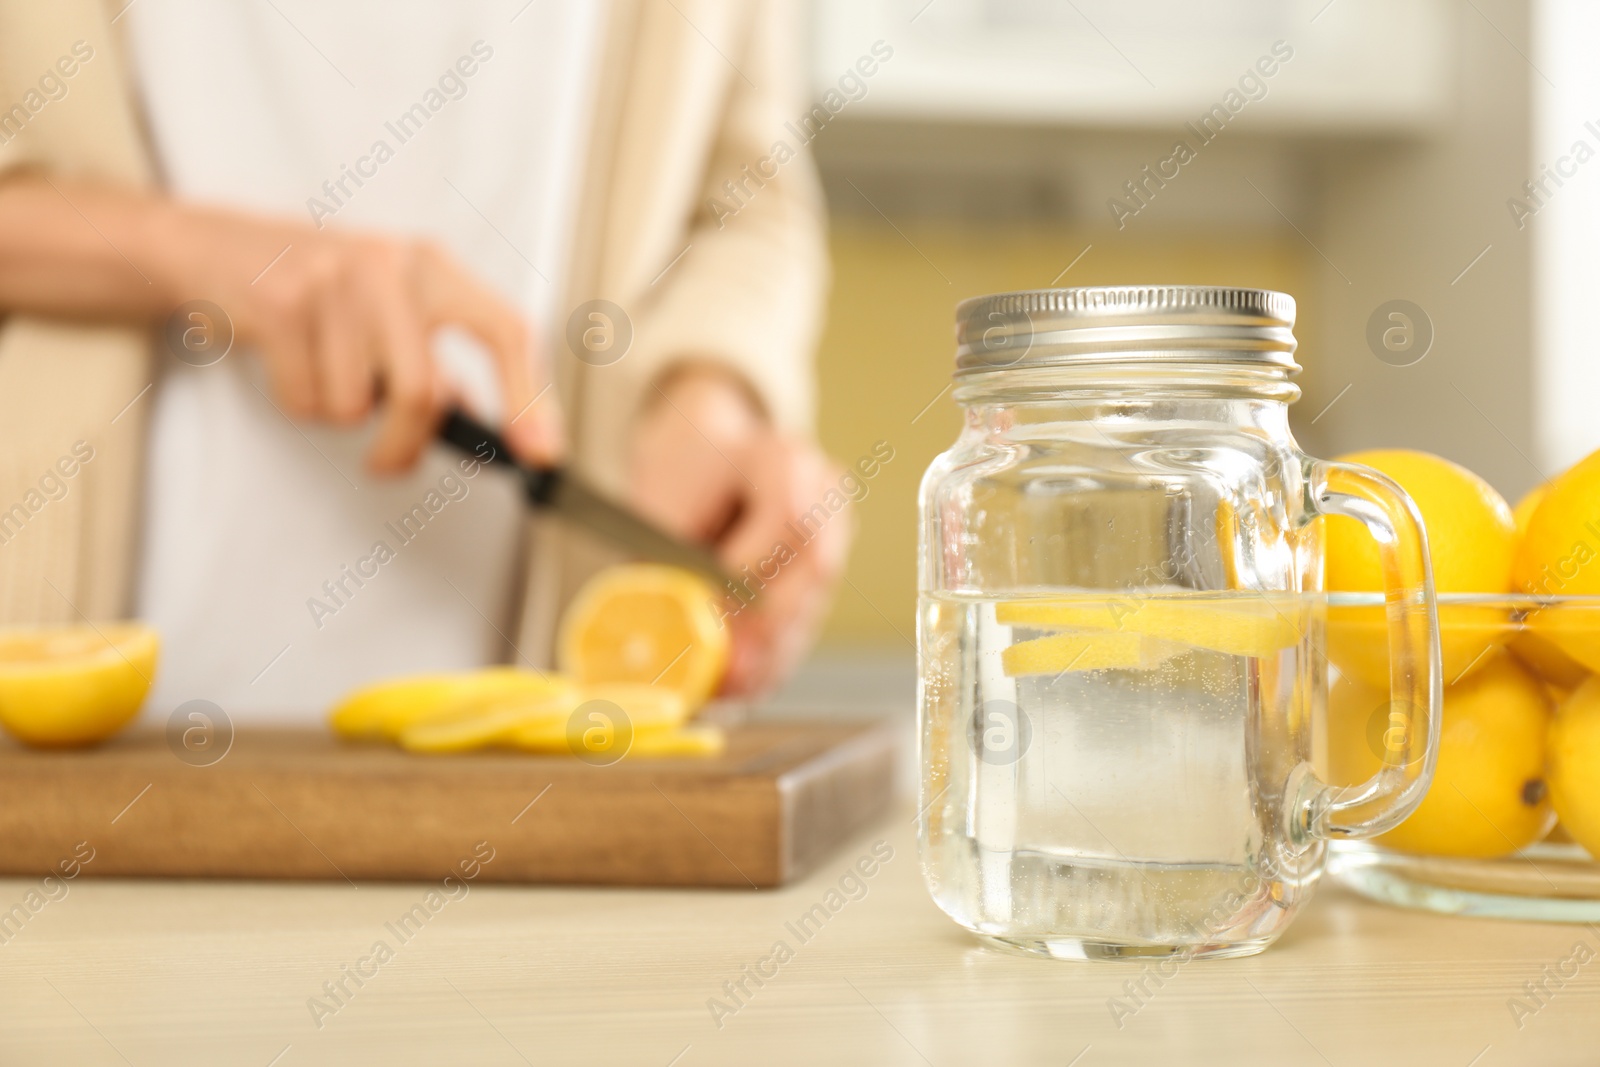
(302, 804)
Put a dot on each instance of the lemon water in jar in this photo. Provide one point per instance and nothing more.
(1121, 629)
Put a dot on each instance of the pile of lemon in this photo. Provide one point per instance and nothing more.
(1520, 746)
(642, 649)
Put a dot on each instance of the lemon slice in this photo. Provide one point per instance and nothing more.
(700, 739)
(628, 711)
(388, 708)
(647, 706)
(477, 721)
(1248, 625)
(547, 737)
(648, 624)
(74, 685)
(1058, 653)
(635, 708)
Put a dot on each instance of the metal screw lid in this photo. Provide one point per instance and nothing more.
(1126, 324)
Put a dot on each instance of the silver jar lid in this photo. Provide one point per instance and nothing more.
(1126, 324)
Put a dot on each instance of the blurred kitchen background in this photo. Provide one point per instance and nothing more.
(1381, 162)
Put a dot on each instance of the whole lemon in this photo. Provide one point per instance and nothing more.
(1559, 555)
(1545, 658)
(1523, 512)
(1472, 541)
(1488, 796)
(1559, 551)
(1574, 765)
(1358, 725)
(1471, 534)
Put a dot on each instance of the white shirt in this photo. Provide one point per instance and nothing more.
(261, 560)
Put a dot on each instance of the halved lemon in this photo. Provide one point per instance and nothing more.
(74, 685)
(648, 624)
(386, 709)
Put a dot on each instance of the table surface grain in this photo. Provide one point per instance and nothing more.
(114, 971)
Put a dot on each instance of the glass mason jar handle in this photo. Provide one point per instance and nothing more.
(1415, 672)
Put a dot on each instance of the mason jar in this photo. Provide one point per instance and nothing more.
(1121, 629)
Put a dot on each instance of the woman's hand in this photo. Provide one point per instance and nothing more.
(343, 319)
(707, 466)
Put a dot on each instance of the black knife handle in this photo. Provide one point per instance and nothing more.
(474, 438)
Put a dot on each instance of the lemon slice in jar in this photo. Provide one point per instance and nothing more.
(1246, 624)
(1059, 653)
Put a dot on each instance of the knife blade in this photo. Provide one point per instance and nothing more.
(559, 491)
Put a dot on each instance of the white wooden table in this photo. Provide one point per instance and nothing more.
(173, 973)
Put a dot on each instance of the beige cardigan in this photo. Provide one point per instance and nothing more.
(690, 91)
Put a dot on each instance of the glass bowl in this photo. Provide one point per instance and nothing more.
(1534, 649)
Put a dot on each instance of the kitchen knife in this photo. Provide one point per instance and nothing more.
(558, 490)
